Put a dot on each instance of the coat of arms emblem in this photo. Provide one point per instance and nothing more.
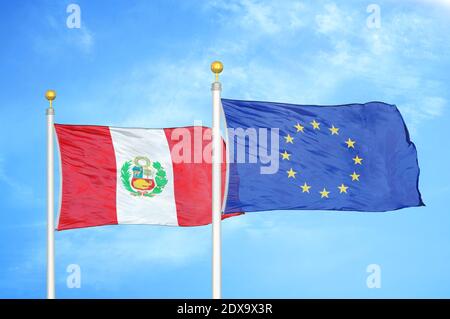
(142, 177)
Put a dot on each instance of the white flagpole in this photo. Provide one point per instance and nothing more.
(50, 95)
(216, 88)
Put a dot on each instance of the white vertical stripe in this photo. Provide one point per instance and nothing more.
(151, 143)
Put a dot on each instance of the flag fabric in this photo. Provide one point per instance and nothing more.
(355, 157)
(116, 175)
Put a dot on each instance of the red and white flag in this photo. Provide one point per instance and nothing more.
(135, 176)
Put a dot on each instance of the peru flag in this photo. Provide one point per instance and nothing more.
(116, 175)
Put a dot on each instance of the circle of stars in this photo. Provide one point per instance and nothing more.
(349, 143)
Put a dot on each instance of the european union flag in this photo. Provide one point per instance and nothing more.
(355, 157)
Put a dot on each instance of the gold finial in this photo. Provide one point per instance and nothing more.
(216, 68)
(50, 95)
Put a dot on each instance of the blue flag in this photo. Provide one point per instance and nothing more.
(354, 157)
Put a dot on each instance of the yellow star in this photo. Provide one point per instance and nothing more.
(334, 130)
(285, 155)
(299, 128)
(324, 193)
(289, 139)
(355, 177)
(315, 125)
(291, 173)
(350, 143)
(358, 160)
(305, 188)
(342, 188)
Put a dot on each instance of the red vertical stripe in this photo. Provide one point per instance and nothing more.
(193, 181)
(88, 176)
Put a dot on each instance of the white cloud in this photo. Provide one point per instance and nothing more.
(262, 17)
(434, 105)
(84, 39)
(423, 109)
(332, 20)
(175, 93)
(169, 93)
(443, 3)
(17, 188)
(339, 52)
(60, 38)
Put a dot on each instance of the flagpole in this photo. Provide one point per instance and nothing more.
(216, 88)
(50, 95)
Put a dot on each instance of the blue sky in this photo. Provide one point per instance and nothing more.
(146, 63)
